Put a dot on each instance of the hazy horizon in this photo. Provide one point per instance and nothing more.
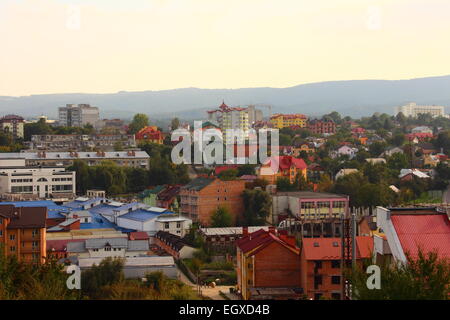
(106, 46)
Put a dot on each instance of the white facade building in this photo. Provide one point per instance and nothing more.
(413, 110)
(35, 182)
(174, 224)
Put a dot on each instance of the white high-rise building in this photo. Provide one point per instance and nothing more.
(413, 110)
(73, 115)
(239, 118)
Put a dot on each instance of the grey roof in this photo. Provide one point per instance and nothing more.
(101, 243)
(77, 247)
(68, 222)
(198, 184)
(230, 231)
(138, 245)
(70, 156)
(80, 214)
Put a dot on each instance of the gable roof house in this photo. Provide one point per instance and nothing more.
(268, 266)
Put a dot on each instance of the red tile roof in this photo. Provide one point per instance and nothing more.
(430, 232)
(60, 245)
(325, 250)
(220, 169)
(261, 239)
(139, 235)
(285, 162)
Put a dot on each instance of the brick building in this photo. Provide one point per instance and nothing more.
(322, 126)
(321, 272)
(268, 265)
(200, 198)
(22, 232)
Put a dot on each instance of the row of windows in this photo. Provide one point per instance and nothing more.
(318, 280)
(335, 264)
(62, 179)
(21, 180)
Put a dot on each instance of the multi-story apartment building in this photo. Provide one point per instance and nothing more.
(321, 270)
(200, 198)
(22, 232)
(268, 266)
(81, 142)
(280, 121)
(13, 125)
(73, 115)
(326, 126)
(27, 182)
(413, 110)
(134, 159)
(236, 118)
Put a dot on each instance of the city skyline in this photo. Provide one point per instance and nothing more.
(109, 46)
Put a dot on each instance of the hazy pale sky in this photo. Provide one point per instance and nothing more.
(99, 46)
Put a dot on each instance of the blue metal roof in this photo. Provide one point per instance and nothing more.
(76, 204)
(53, 210)
(98, 222)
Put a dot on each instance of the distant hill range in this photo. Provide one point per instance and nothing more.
(355, 98)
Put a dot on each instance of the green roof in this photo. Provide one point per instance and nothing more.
(148, 192)
(198, 183)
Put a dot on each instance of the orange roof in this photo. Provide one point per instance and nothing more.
(330, 248)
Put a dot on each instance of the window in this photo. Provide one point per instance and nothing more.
(336, 279)
(318, 264)
(1, 233)
(12, 237)
(107, 248)
(317, 296)
(317, 281)
(12, 249)
(35, 232)
(1, 221)
(166, 225)
(335, 264)
(178, 225)
(35, 244)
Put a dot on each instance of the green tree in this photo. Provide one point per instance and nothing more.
(425, 277)
(283, 184)
(139, 121)
(175, 123)
(221, 218)
(398, 161)
(257, 204)
(227, 175)
(107, 273)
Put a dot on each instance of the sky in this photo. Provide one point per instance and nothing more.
(105, 46)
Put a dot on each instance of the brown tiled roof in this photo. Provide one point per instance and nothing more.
(24, 217)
